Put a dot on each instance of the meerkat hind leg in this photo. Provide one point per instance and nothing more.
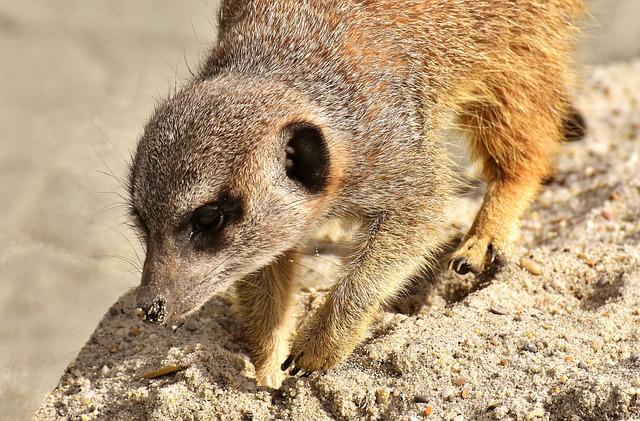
(516, 144)
(266, 301)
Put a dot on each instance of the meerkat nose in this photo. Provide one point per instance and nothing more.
(155, 313)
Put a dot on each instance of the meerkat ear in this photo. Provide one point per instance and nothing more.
(307, 157)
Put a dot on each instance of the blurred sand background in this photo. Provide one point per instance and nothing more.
(77, 80)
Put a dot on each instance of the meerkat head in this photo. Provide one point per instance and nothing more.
(228, 174)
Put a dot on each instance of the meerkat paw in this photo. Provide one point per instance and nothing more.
(270, 377)
(267, 363)
(474, 253)
(313, 354)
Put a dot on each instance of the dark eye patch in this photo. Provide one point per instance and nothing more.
(207, 223)
(207, 218)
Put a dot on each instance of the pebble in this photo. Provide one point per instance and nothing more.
(635, 382)
(530, 347)
(582, 365)
(597, 344)
(400, 317)
(448, 393)
(73, 390)
(496, 309)
(191, 325)
(247, 384)
(428, 411)
(104, 372)
(590, 262)
(383, 394)
(423, 398)
(88, 397)
(530, 266)
(493, 405)
(607, 215)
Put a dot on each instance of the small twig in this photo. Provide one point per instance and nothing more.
(169, 369)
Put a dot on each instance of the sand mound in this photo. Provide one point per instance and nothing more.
(551, 336)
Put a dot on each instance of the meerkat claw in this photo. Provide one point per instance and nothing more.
(493, 253)
(493, 257)
(285, 365)
(461, 266)
(290, 363)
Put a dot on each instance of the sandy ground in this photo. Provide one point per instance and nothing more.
(553, 337)
(77, 81)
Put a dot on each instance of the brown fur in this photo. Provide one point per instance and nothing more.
(377, 79)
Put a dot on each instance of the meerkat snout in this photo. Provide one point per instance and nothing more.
(154, 312)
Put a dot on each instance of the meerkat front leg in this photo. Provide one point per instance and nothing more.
(265, 300)
(387, 257)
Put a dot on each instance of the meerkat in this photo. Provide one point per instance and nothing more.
(311, 110)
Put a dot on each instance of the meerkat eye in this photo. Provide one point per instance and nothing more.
(307, 157)
(206, 218)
